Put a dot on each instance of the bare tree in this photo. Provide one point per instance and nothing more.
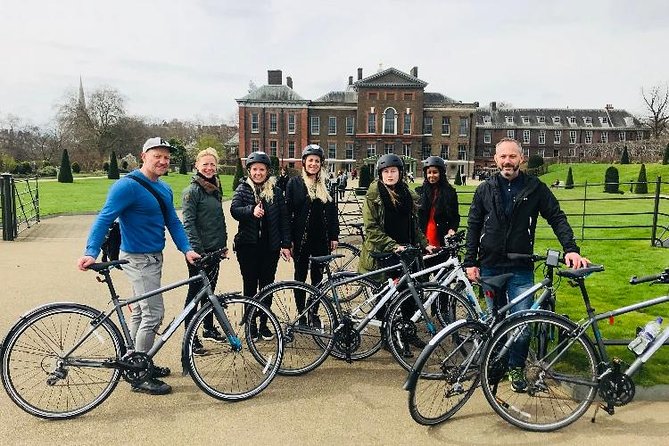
(657, 106)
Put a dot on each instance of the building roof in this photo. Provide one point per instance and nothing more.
(390, 77)
(233, 141)
(563, 118)
(349, 97)
(273, 93)
(437, 99)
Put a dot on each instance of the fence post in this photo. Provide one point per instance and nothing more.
(585, 200)
(9, 229)
(656, 209)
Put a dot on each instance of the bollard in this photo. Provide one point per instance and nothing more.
(8, 213)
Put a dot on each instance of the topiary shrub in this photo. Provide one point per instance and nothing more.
(641, 186)
(183, 166)
(65, 170)
(113, 173)
(239, 174)
(569, 184)
(105, 166)
(535, 161)
(625, 159)
(76, 168)
(612, 181)
(48, 171)
(458, 179)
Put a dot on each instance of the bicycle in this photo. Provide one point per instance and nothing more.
(446, 373)
(61, 360)
(350, 252)
(324, 326)
(566, 375)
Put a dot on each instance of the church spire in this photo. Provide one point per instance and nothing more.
(82, 98)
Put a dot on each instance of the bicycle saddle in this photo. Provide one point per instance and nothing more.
(581, 272)
(97, 267)
(322, 260)
(495, 281)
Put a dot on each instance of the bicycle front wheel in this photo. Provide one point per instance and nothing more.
(553, 385)
(406, 326)
(447, 373)
(307, 319)
(350, 260)
(230, 371)
(43, 379)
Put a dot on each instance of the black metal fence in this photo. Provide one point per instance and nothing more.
(19, 204)
(593, 214)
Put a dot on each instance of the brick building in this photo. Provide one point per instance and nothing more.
(387, 112)
(566, 134)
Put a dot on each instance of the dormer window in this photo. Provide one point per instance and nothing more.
(556, 119)
(587, 120)
(541, 119)
(604, 120)
(525, 119)
(508, 119)
(572, 120)
(487, 120)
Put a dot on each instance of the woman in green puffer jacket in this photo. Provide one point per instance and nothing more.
(204, 223)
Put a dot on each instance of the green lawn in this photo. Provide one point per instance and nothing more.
(88, 195)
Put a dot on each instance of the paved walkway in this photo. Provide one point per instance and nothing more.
(339, 403)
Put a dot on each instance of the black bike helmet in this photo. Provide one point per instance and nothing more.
(258, 157)
(389, 160)
(434, 161)
(313, 149)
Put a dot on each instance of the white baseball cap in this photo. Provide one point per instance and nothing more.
(155, 142)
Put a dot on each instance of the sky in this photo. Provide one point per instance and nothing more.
(191, 59)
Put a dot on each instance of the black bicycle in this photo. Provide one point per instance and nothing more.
(61, 360)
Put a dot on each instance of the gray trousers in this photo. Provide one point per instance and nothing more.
(144, 272)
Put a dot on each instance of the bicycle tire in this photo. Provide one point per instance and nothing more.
(401, 334)
(34, 348)
(305, 346)
(446, 373)
(561, 384)
(229, 374)
(350, 260)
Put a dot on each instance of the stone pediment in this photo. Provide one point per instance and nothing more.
(390, 77)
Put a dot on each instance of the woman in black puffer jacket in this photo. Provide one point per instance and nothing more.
(263, 231)
(313, 218)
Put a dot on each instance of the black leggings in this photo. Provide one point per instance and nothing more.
(301, 270)
(212, 269)
(258, 268)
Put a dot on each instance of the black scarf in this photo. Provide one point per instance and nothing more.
(397, 219)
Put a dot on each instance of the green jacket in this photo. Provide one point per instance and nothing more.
(203, 217)
(376, 240)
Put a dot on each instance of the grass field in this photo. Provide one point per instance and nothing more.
(610, 289)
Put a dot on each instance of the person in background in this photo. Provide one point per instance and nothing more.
(204, 223)
(438, 213)
(313, 219)
(502, 220)
(263, 232)
(282, 181)
(342, 182)
(143, 224)
(390, 217)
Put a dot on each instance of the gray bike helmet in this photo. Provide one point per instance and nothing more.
(313, 149)
(258, 157)
(434, 161)
(389, 160)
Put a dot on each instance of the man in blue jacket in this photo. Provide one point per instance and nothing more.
(143, 228)
(502, 220)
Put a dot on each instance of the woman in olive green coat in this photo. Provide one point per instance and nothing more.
(204, 223)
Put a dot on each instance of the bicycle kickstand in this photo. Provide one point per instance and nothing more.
(608, 408)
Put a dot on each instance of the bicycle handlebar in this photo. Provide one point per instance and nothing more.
(210, 256)
(662, 277)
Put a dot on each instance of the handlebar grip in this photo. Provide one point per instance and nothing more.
(636, 280)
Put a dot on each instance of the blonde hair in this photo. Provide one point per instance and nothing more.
(209, 151)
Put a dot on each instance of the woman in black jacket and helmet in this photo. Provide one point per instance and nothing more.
(263, 231)
(314, 223)
(438, 213)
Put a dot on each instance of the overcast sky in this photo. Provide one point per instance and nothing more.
(191, 59)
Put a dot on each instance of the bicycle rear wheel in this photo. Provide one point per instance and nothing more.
(561, 383)
(231, 374)
(41, 380)
(307, 334)
(446, 374)
(407, 328)
(350, 260)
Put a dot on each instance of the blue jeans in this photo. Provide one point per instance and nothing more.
(521, 281)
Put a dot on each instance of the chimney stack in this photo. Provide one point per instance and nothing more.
(274, 77)
(414, 71)
(289, 82)
(609, 107)
(359, 73)
(350, 80)
(493, 106)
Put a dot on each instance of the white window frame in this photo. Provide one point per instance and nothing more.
(371, 149)
(255, 145)
(525, 119)
(487, 119)
(604, 137)
(445, 126)
(464, 126)
(572, 120)
(291, 149)
(572, 136)
(255, 123)
(556, 119)
(332, 125)
(587, 120)
(274, 147)
(622, 135)
(350, 151)
(332, 150)
(541, 119)
(371, 123)
(487, 136)
(526, 136)
(462, 152)
(557, 137)
(406, 150)
(542, 137)
(291, 123)
(587, 139)
(385, 123)
(350, 125)
(315, 125)
(639, 135)
(541, 152)
(388, 148)
(511, 134)
(273, 123)
(406, 129)
(428, 120)
(508, 119)
(443, 151)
